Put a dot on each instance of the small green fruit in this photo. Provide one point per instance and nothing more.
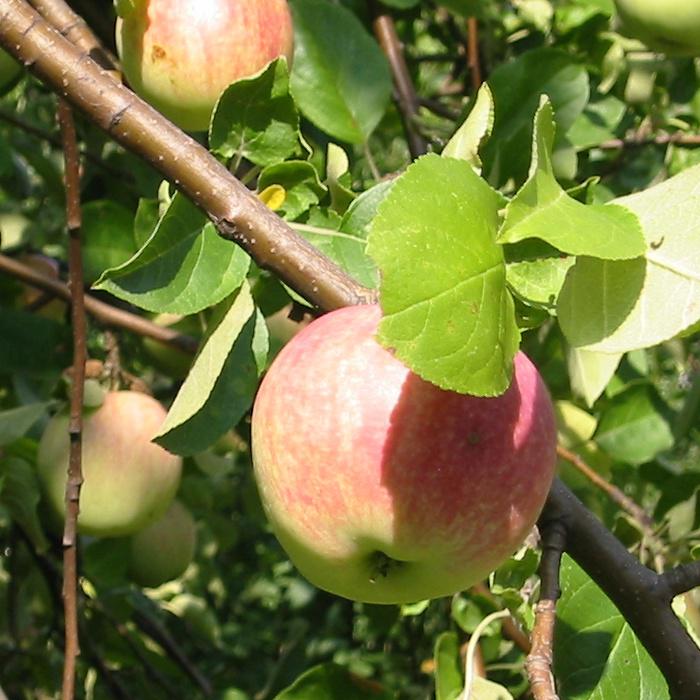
(163, 550)
(669, 26)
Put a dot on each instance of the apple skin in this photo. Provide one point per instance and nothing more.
(163, 550)
(129, 481)
(180, 55)
(384, 488)
(669, 26)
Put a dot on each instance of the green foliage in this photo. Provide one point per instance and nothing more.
(563, 218)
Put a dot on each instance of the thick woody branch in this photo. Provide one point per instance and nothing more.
(237, 214)
(640, 595)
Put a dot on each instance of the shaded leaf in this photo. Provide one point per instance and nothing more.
(184, 267)
(222, 382)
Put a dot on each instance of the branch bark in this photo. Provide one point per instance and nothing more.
(385, 31)
(642, 596)
(237, 214)
(75, 424)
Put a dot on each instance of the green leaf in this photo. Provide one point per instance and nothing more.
(474, 132)
(346, 249)
(632, 429)
(574, 425)
(484, 689)
(538, 282)
(590, 372)
(184, 267)
(19, 493)
(448, 314)
(448, 672)
(108, 237)
(596, 652)
(17, 421)
(255, 118)
(340, 78)
(32, 344)
(517, 86)
(222, 382)
(300, 181)
(541, 209)
(616, 306)
(332, 682)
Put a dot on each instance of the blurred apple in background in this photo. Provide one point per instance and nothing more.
(163, 550)
(129, 480)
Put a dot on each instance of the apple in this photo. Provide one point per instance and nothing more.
(669, 26)
(180, 55)
(163, 550)
(129, 481)
(10, 70)
(384, 488)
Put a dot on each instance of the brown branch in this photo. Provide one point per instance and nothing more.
(75, 29)
(105, 313)
(634, 141)
(539, 661)
(473, 61)
(75, 424)
(681, 579)
(238, 215)
(641, 517)
(406, 98)
(640, 595)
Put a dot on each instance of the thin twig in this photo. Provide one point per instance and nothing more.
(473, 61)
(539, 660)
(679, 138)
(75, 424)
(156, 631)
(105, 313)
(640, 516)
(407, 101)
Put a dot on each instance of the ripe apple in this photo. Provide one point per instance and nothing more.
(669, 26)
(9, 70)
(383, 487)
(129, 481)
(164, 549)
(180, 55)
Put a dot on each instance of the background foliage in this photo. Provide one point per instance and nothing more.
(323, 146)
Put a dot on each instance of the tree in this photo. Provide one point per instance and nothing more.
(560, 219)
